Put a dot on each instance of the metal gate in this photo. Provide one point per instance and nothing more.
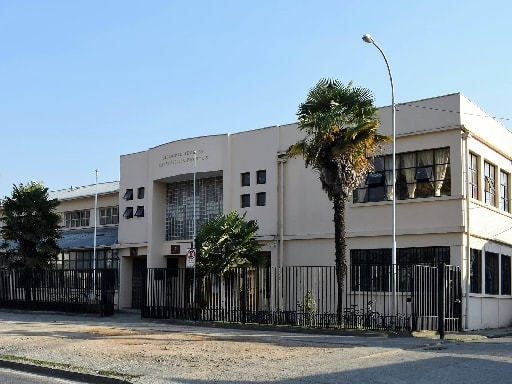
(436, 298)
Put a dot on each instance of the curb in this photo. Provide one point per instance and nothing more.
(60, 373)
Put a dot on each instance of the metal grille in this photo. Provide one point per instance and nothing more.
(180, 205)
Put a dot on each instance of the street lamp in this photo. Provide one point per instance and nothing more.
(368, 39)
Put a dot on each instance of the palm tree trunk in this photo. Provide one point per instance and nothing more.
(339, 252)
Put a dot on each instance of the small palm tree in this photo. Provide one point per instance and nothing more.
(227, 241)
(340, 125)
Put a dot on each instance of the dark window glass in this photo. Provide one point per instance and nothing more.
(245, 200)
(261, 177)
(491, 273)
(505, 275)
(140, 211)
(246, 179)
(140, 192)
(475, 273)
(370, 269)
(128, 195)
(128, 213)
(261, 199)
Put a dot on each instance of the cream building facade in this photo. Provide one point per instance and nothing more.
(454, 166)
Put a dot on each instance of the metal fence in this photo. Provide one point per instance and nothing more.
(303, 296)
(79, 291)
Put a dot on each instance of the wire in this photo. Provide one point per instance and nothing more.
(451, 111)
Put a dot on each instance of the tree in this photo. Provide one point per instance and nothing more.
(227, 241)
(340, 125)
(31, 226)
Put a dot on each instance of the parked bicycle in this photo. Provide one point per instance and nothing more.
(351, 317)
(372, 319)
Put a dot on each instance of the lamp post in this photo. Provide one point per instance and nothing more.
(368, 39)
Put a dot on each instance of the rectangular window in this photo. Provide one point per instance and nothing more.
(128, 213)
(419, 174)
(128, 195)
(180, 214)
(492, 276)
(109, 215)
(261, 199)
(473, 176)
(246, 179)
(504, 191)
(370, 269)
(245, 200)
(475, 271)
(505, 275)
(140, 192)
(261, 177)
(490, 189)
(140, 211)
(77, 219)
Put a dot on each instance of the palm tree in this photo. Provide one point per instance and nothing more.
(340, 125)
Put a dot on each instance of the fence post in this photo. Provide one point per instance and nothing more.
(441, 283)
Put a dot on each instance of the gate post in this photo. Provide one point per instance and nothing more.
(441, 289)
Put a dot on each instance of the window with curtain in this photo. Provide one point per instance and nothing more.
(490, 179)
(419, 174)
(504, 191)
(473, 176)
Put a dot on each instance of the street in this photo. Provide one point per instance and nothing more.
(156, 352)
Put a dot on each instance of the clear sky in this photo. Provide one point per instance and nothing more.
(85, 81)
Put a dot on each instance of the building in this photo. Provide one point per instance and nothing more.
(453, 173)
(79, 225)
(453, 194)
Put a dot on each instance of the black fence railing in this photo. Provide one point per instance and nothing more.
(302, 296)
(79, 291)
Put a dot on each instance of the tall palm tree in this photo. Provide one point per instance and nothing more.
(340, 125)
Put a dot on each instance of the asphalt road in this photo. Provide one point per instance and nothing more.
(8, 376)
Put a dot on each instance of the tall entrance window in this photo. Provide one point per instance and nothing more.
(179, 217)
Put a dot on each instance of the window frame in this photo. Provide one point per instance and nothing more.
(261, 176)
(492, 276)
(506, 275)
(490, 183)
(245, 179)
(109, 218)
(139, 212)
(475, 271)
(473, 176)
(245, 200)
(419, 174)
(504, 191)
(128, 195)
(128, 213)
(261, 199)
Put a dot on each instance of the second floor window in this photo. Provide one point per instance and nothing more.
(473, 176)
(504, 191)
(419, 174)
(77, 219)
(109, 215)
(490, 180)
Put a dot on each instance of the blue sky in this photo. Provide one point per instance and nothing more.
(83, 82)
